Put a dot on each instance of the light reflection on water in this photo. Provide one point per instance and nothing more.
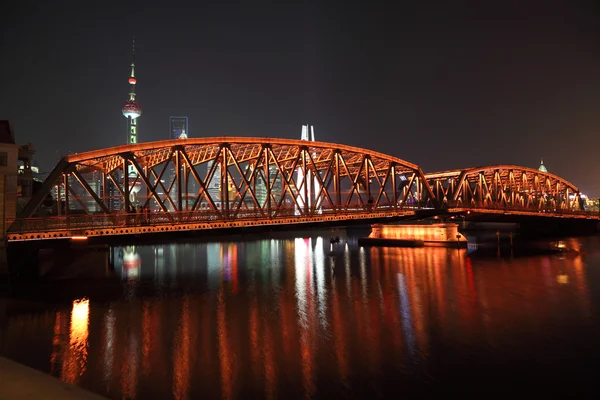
(302, 317)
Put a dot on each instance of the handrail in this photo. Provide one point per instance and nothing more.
(104, 221)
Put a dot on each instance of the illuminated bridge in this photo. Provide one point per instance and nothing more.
(234, 182)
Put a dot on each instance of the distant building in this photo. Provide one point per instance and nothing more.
(313, 188)
(214, 184)
(25, 174)
(178, 128)
(542, 166)
(9, 155)
(592, 204)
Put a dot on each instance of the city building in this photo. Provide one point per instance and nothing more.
(9, 153)
(592, 204)
(542, 167)
(178, 128)
(260, 187)
(25, 171)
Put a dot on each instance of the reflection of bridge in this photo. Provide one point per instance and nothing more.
(231, 182)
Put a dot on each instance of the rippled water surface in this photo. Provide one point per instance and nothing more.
(294, 318)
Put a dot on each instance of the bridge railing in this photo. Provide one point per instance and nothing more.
(119, 220)
(518, 207)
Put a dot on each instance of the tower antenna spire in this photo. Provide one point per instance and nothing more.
(131, 109)
(132, 55)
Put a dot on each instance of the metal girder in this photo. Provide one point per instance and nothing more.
(90, 191)
(38, 198)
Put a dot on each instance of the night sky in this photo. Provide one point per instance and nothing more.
(443, 86)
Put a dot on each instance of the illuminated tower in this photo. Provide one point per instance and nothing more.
(132, 111)
(131, 108)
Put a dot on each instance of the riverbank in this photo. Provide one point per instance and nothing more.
(19, 382)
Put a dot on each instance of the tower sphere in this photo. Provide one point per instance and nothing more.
(131, 108)
(132, 81)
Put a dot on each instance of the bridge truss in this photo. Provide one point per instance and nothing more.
(218, 182)
(505, 187)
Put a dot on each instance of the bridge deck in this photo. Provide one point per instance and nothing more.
(98, 225)
(86, 226)
(569, 214)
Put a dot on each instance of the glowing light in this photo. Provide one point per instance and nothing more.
(78, 341)
(79, 320)
(427, 233)
(78, 237)
(132, 81)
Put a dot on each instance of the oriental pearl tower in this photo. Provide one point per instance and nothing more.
(132, 110)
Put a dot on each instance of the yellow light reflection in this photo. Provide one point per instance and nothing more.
(76, 361)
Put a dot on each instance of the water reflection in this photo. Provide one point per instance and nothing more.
(303, 317)
(131, 263)
(75, 360)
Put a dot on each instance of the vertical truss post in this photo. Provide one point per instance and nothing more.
(252, 184)
(267, 178)
(66, 192)
(185, 184)
(394, 189)
(336, 181)
(225, 182)
(367, 183)
(178, 180)
(305, 179)
(419, 191)
(148, 195)
(103, 190)
(58, 200)
(126, 185)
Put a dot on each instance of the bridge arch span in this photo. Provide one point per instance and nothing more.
(504, 186)
(226, 180)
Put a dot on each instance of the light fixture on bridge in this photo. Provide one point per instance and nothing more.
(79, 237)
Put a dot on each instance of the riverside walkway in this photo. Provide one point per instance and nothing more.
(19, 382)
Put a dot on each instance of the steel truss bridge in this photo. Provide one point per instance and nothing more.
(231, 182)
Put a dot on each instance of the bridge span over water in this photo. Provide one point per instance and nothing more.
(236, 182)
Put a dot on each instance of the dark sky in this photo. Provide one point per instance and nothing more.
(443, 86)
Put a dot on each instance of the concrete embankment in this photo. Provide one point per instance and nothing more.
(19, 382)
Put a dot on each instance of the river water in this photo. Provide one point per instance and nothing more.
(296, 317)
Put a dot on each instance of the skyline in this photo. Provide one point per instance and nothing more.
(419, 83)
